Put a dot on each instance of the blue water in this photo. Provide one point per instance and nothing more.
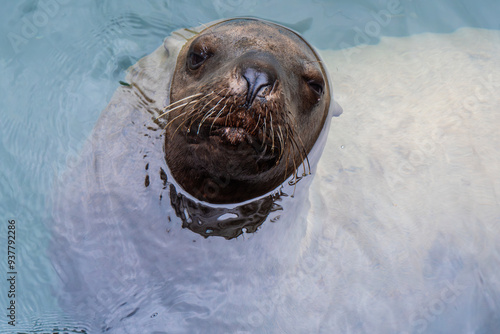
(60, 62)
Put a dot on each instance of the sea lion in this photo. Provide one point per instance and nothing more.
(117, 205)
(248, 100)
(223, 113)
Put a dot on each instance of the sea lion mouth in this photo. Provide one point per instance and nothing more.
(235, 132)
(233, 135)
(207, 116)
(225, 122)
(233, 128)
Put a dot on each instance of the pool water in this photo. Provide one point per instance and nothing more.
(397, 234)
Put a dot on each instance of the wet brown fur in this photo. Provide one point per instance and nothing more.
(223, 151)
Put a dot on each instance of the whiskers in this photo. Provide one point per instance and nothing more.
(295, 149)
(176, 105)
(212, 111)
(281, 136)
(269, 128)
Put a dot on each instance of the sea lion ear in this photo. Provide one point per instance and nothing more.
(179, 37)
(173, 43)
(336, 109)
(166, 46)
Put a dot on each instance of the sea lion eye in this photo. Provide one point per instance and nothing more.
(316, 87)
(196, 59)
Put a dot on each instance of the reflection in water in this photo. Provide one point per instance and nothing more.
(229, 223)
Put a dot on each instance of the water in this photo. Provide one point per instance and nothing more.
(401, 232)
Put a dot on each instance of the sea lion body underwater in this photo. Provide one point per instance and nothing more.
(112, 218)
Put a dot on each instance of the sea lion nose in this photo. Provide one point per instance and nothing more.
(257, 79)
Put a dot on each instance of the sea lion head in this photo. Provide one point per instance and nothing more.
(248, 100)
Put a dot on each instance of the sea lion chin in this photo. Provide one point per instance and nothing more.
(248, 101)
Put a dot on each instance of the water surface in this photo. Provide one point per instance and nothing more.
(405, 195)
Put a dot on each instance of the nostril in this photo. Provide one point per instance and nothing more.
(257, 80)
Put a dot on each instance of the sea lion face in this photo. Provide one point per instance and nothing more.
(248, 100)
